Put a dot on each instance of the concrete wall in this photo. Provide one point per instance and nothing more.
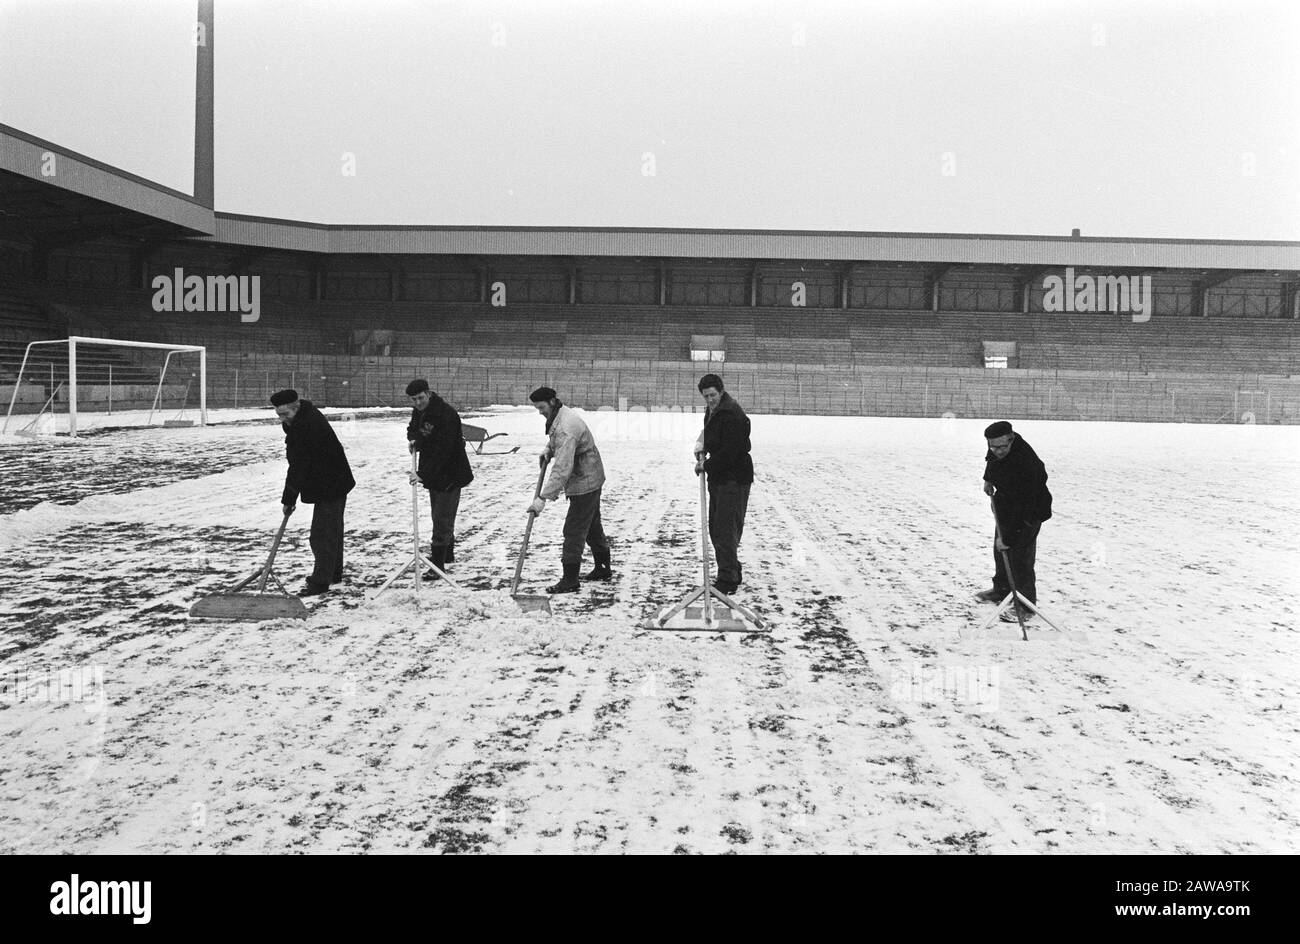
(779, 388)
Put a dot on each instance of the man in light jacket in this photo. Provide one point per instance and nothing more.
(576, 470)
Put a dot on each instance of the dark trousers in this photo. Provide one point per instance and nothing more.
(1022, 564)
(728, 502)
(582, 526)
(327, 541)
(443, 506)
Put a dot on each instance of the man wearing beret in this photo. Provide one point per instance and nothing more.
(319, 474)
(1016, 479)
(434, 432)
(722, 452)
(577, 471)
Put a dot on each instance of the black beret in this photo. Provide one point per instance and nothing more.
(417, 386)
(542, 395)
(281, 397)
(1000, 428)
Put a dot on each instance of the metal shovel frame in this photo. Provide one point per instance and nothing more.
(1015, 594)
(257, 606)
(705, 617)
(418, 562)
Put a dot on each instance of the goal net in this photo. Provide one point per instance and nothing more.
(107, 382)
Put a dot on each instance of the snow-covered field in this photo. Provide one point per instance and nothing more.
(863, 722)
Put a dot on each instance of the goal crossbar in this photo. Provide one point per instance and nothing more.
(74, 340)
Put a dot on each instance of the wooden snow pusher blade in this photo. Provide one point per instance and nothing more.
(249, 607)
(706, 609)
(694, 619)
(236, 604)
(532, 603)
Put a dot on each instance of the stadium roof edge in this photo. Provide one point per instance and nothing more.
(363, 239)
(26, 155)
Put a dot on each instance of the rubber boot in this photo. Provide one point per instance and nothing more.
(601, 569)
(568, 583)
(437, 554)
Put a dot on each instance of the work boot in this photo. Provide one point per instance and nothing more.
(568, 583)
(725, 586)
(310, 589)
(437, 554)
(601, 569)
(992, 595)
(1009, 615)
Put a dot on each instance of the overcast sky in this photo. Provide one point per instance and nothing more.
(1170, 119)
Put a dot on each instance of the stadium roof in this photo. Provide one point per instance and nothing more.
(755, 244)
(48, 191)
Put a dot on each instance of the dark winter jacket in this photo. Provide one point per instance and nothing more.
(318, 468)
(443, 463)
(1022, 496)
(725, 441)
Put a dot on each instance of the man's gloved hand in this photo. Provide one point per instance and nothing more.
(989, 489)
(288, 509)
(997, 543)
(412, 478)
(699, 466)
(538, 505)
(543, 456)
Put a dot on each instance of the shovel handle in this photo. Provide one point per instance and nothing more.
(275, 546)
(528, 529)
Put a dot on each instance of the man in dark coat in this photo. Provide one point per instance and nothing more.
(434, 432)
(319, 474)
(1016, 479)
(722, 452)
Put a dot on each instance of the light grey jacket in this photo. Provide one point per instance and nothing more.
(576, 468)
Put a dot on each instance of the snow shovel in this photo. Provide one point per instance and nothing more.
(708, 616)
(253, 607)
(530, 603)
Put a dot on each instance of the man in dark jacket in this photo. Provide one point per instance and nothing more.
(1016, 479)
(722, 451)
(318, 473)
(434, 432)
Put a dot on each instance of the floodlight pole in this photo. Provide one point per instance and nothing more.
(203, 386)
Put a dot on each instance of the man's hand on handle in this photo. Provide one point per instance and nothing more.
(699, 463)
(989, 489)
(543, 457)
(288, 509)
(537, 507)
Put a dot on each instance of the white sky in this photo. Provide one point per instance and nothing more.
(1173, 119)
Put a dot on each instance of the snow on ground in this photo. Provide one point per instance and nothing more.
(863, 722)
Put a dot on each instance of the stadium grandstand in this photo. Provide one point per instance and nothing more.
(824, 323)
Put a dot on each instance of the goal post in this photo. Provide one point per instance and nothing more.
(73, 342)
